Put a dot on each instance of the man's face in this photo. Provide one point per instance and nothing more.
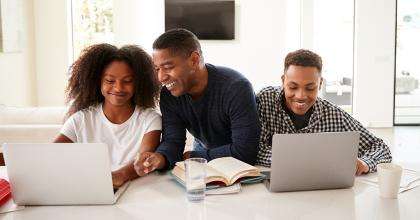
(175, 72)
(301, 85)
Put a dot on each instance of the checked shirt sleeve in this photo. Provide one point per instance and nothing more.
(372, 150)
(264, 101)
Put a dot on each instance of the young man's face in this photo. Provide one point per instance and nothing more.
(175, 72)
(301, 85)
(117, 84)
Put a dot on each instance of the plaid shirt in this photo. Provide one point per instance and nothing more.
(326, 117)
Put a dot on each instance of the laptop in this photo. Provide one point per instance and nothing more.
(313, 161)
(60, 174)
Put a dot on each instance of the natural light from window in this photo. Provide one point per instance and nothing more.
(330, 34)
(407, 76)
(92, 22)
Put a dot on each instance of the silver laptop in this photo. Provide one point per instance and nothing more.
(313, 161)
(60, 174)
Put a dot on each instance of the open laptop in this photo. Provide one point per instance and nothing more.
(60, 174)
(313, 161)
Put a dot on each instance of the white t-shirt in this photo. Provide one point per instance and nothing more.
(123, 140)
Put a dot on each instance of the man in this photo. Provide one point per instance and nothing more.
(215, 104)
(296, 108)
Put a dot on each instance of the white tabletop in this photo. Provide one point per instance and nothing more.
(158, 196)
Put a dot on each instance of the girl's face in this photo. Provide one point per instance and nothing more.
(117, 84)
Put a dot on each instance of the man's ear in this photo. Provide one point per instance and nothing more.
(195, 59)
(320, 83)
(282, 79)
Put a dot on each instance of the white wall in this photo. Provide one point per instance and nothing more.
(138, 22)
(264, 34)
(37, 75)
(53, 50)
(259, 46)
(17, 69)
(373, 91)
(259, 42)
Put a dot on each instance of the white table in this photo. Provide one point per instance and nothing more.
(157, 196)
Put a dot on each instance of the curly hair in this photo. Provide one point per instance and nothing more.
(304, 58)
(84, 85)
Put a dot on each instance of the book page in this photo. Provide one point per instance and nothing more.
(232, 168)
(235, 188)
(407, 178)
(211, 174)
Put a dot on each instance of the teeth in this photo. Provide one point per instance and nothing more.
(300, 104)
(170, 85)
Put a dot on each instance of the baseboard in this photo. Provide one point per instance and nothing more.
(380, 124)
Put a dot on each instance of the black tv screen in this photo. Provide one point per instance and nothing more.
(209, 20)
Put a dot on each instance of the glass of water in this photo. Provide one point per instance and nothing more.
(195, 175)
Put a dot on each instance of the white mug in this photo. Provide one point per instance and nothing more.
(389, 175)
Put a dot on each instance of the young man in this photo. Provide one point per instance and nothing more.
(215, 104)
(296, 108)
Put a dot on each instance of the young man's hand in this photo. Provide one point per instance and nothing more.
(361, 167)
(147, 162)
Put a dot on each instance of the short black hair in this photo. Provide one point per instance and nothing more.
(304, 58)
(179, 41)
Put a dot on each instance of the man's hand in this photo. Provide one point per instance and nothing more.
(147, 162)
(361, 167)
(118, 178)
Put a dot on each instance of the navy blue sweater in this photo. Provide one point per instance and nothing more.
(224, 119)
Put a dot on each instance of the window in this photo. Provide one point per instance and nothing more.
(92, 22)
(327, 28)
(407, 75)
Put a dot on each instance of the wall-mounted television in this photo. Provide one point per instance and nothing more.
(208, 19)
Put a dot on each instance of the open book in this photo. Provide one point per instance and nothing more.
(225, 170)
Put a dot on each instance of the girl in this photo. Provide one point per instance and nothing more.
(113, 93)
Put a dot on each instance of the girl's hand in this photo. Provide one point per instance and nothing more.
(118, 178)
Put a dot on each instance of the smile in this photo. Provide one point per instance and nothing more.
(300, 104)
(118, 94)
(169, 85)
